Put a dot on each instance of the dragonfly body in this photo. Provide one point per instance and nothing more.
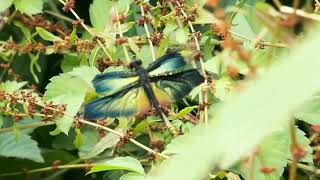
(144, 80)
(130, 93)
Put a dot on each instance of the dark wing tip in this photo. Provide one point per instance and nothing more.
(92, 110)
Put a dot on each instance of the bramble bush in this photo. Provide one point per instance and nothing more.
(255, 117)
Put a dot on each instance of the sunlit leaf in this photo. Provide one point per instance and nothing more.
(109, 140)
(11, 86)
(46, 35)
(100, 15)
(5, 4)
(78, 141)
(29, 7)
(62, 90)
(185, 111)
(119, 163)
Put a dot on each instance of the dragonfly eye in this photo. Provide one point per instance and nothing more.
(135, 64)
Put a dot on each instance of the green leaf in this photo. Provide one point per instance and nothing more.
(78, 141)
(133, 46)
(273, 152)
(29, 7)
(119, 163)
(25, 148)
(90, 139)
(185, 111)
(241, 26)
(213, 65)
(69, 62)
(170, 27)
(94, 55)
(142, 126)
(85, 73)
(67, 89)
(55, 132)
(222, 88)
(132, 176)
(197, 3)
(304, 143)
(1, 120)
(123, 5)
(73, 36)
(145, 55)
(26, 31)
(46, 35)
(163, 47)
(11, 86)
(182, 35)
(100, 14)
(106, 142)
(309, 111)
(205, 17)
(124, 28)
(34, 64)
(5, 4)
(64, 142)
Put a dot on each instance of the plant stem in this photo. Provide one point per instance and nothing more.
(114, 132)
(125, 50)
(306, 167)
(26, 126)
(279, 45)
(88, 30)
(60, 16)
(204, 97)
(119, 134)
(299, 12)
(55, 12)
(50, 168)
(293, 165)
(148, 34)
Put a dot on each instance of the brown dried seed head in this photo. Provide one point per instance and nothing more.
(212, 3)
(69, 5)
(267, 170)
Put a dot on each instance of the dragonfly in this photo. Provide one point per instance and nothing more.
(135, 92)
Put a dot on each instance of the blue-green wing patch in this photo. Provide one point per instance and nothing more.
(176, 86)
(171, 62)
(111, 82)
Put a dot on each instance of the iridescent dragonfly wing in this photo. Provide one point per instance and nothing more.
(171, 62)
(127, 102)
(170, 88)
(111, 82)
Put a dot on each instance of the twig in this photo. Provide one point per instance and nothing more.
(306, 167)
(125, 50)
(299, 12)
(26, 126)
(88, 30)
(119, 134)
(294, 144)
(272, 44)
(204, 92)
(277, 3)
(55, 10)
(60, 16)
(148, 34)
(68, 166)
(114, 132)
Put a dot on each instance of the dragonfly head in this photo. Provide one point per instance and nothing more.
(135, 64)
